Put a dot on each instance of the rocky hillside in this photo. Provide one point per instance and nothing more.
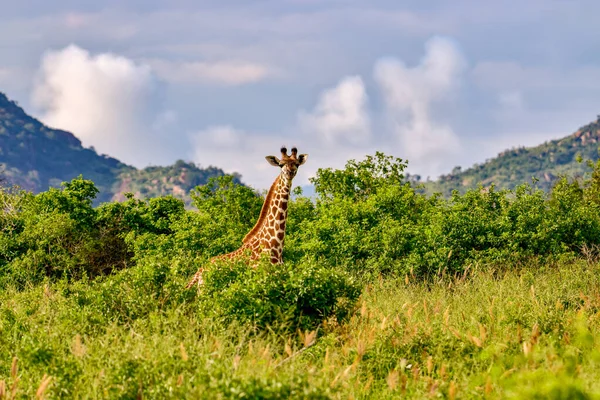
(37, 157)
(177, 179)
(546, 163)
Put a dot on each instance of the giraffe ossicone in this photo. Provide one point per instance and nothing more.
(268, 234)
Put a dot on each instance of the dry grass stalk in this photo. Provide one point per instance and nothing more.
(184, 355)
(236, 361)
(527, 348)
(535, 334)
(383, 323)
(14, 368)
(429, 365)
(443, 372)
(488, 386)
(403, 383)
(308, 337)
(78, 347)
(361, 349)
(476, 341)
(288, 349)
(341, 375)
(416, 373)
(455, 332)
(369, 383)
(452, 390)
(41, 392)
(482, 333)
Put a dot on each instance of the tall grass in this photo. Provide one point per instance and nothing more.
(493, 333)
(385, 293)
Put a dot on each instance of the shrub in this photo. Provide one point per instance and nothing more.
(366, 218)
(292, 296)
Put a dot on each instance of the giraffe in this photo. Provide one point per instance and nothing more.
(269, 232)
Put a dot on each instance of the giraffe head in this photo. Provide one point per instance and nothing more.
(288, 164)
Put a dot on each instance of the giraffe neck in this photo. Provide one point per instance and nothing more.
(269, 232)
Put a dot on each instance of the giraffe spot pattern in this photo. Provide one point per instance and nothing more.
(269, 236)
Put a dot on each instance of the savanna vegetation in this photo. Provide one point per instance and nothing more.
(385, 293)
(547, 163)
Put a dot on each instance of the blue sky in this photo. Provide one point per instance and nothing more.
(225, 83)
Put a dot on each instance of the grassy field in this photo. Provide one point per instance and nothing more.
(384, 293)
(510, 332)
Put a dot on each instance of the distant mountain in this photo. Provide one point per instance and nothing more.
(177, 179)
(546, 162)
(37, 157)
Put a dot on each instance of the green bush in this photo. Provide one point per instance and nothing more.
(366, 218)
(95, 298)
(290, 296)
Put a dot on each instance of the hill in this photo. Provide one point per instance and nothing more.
(177, 179)
(37, 157)
(546, 162)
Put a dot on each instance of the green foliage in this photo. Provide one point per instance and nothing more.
(176, 180)
(293, 296)
(359, 179)
(59, 233)
(481, 294)
(528, 333)
(545, 164)
(225, 199)
(592, 190)
(382, 225)
(366, 219)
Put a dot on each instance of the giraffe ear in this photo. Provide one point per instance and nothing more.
(274, 161)
(302, 158)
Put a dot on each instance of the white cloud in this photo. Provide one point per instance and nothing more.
(244, 152)
(220, 72)
(341, 115)
(238, 151)
(410, 94)
(106, 100)
(338, 128)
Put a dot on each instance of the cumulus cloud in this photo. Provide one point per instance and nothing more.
(106, 100)
(410, 94)
(229, 73)
(341, 115)
(337, 129)
(238, 151)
